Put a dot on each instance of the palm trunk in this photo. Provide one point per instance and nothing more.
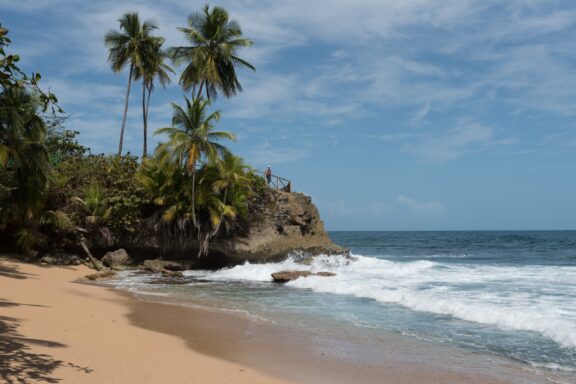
(205, 237)
(145, 118)
(125, 111)
(215, 231)
(200, 90)
(194, 200)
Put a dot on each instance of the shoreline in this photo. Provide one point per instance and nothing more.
(323, 357)
(54, 330)
(92, 333)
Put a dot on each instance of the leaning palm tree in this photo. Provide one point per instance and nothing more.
(153, 67)
(192, 139)
(212, 58)
(129, 46)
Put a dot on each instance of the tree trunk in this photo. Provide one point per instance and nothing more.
(97, 264)
(125, 110)
(203, 243)
(145, 118)
(200, 90)
(194, 200)
(147, 109)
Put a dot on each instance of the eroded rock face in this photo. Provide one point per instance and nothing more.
(118, 259)
(280, 223)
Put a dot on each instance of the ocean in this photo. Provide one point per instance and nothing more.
(505, 294)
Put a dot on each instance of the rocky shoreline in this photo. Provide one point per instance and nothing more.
(281, 224)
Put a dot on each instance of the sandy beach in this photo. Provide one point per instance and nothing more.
(53, 330)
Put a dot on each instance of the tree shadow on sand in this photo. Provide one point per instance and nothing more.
(12, 271)
(18, 363)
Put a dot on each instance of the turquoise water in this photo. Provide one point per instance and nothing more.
(509, 294)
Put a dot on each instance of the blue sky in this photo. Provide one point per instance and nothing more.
(392, 115)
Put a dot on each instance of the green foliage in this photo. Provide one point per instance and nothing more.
(212, 57)
(11, 77)
(102, 192)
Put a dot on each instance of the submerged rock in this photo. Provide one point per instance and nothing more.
(286, 276)
(168, 273)
(158, 266)
(118, 259)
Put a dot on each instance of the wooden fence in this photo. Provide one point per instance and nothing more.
(277, 182)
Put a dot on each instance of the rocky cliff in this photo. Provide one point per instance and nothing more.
(280, 223)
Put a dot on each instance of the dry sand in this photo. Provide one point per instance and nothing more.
(53, 330)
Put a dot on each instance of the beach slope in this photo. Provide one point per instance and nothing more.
(54, 330)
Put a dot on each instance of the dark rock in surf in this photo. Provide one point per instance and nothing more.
(286, 276)
(118, 260)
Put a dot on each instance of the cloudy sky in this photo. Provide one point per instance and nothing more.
(392, 115)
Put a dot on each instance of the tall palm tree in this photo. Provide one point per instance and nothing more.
(153, 67)
(212, 58)
(192, 138)
(130, 45)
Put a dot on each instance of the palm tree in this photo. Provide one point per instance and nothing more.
(26, 168)
(23, 148)
(130, 45)
(192, 138)
(224, 188)
(153, 67)
(212, 58)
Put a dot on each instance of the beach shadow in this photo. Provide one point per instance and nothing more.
(18, 363)
(12, 271)
(6, 303)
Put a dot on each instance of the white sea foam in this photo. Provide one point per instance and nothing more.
(530, 298)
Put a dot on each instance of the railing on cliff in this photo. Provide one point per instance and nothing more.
(277, 182)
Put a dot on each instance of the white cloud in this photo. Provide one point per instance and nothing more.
(420, 208)
(467, 137)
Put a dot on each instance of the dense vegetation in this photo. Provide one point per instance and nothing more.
(56, 194)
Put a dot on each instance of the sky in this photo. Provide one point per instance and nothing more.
(392, 115)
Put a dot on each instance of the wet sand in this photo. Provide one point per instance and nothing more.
(53, 329)
(326, 355)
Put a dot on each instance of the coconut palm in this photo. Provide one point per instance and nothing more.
(212, 59)
(130, 45)
(224, 187)
(153, 67)
(192, 138)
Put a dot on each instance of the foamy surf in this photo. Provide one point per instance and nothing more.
(531, 298)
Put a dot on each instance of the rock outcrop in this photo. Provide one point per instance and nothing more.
(280, 223)
(158, 266)
(118, 260)
(286, 276)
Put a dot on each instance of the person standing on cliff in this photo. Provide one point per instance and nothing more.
(268, 174)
